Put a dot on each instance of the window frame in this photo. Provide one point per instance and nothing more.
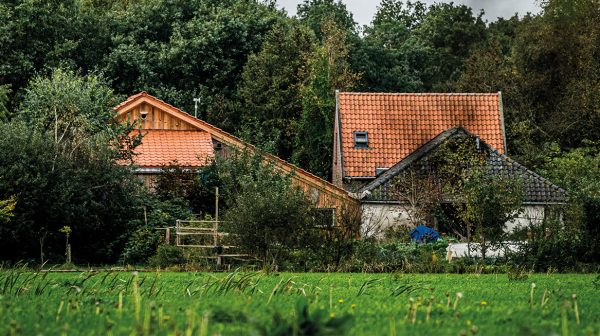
(363, 143)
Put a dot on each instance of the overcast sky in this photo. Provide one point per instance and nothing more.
(363, 10)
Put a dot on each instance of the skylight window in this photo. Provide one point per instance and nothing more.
(361, 139)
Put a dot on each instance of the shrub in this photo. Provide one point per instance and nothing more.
(146, 235)
(70, 179)
(372, 256)
(143, 243)
(553, 244)
(167, 255)
(269, 217)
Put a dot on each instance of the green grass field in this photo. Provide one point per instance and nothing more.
(121, 303)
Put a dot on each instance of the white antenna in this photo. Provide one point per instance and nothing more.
(196, 101)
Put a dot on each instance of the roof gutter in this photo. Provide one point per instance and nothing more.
(160, 170)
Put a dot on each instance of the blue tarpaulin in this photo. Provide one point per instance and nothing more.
(424, 234)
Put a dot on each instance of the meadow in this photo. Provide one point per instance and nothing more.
(257, 303)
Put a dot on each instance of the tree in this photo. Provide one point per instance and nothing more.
(270, 87)
(268, 215)
(182, 49)
(315, 13)
(419, 195)
(577, 171)
(411, 47)
(34, 34)
(74, 110)
(328, 69)
(451, 32)
(4, 100)
(59, 158)
(490, 201)
(7, 208)
(382, 56)
(485, 199)
(556, 58)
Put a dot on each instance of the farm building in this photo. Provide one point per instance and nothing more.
(172, 135)
(378, 137)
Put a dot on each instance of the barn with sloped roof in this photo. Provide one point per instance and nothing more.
(172, 136)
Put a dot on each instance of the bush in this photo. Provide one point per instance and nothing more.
(146, 237)
(167, 255)
(554, 244)
(372, 256)
(143, 243)
(269, 217)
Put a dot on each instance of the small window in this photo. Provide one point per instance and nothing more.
(324, 218)
(361, 139)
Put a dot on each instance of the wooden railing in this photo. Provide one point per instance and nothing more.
(205, 229)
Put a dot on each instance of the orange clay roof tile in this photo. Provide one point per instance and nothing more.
(163, 147)
(399, 123)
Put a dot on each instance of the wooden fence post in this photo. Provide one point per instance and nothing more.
(68, 253)
(177, 239)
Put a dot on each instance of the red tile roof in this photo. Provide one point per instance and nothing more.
(163, 147)
(399, 123)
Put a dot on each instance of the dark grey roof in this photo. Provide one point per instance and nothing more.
(537, 189)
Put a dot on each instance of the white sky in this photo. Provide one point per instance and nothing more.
(363, 10)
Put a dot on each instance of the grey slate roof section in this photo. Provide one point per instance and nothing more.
(538, 190)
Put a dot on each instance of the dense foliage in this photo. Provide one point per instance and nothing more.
(269, 216)
(270, 79)
(58, 163)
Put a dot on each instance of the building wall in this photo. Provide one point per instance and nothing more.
(531, 214)
(375, 218)
(156, 119)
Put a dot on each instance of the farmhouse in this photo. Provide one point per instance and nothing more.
(171, 135)
(380, 137)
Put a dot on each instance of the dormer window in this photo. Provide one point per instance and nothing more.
(361, 139)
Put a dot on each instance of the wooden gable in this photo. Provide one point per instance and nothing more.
(157, 118)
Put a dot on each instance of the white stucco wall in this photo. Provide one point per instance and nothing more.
(375, 218)
(531, 214)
